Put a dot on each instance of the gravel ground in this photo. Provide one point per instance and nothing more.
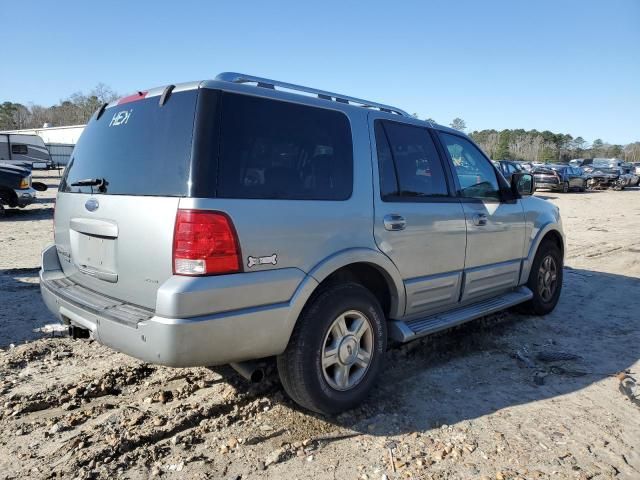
(486, 400)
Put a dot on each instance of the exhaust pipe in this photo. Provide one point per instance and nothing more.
(77, 332)
(251, 371)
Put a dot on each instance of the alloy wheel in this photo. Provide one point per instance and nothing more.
(347, 350)
(547, 278)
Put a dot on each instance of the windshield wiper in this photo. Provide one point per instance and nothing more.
(89, 182)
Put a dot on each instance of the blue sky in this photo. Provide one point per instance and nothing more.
(566, 65)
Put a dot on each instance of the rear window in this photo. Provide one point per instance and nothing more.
(278, 150)
(138, 148)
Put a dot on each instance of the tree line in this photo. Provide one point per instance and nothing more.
(545, 146)
(74, 110)
(548, 147)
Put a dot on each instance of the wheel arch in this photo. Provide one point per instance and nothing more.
(550, 231)
(358, 262)
(369, 267)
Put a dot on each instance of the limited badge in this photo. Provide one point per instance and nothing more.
(270, 260)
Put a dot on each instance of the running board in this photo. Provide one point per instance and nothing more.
(406, 331)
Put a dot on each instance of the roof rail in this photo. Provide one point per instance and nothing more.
(272, 84)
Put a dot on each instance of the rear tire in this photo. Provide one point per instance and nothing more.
(545, 279)
(565, 187)
(330, 365)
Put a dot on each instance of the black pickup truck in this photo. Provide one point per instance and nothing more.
(16, 189)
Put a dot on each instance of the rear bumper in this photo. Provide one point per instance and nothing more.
(550, 185)
(206, 340)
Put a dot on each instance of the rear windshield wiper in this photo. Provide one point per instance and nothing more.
(101, 183)
(90, 182)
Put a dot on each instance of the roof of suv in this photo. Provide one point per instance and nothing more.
(266, 87)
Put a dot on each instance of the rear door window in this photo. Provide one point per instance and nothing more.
(279, 150)
(408, 162)
(138, 148)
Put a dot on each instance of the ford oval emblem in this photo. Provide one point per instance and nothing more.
(92, 205)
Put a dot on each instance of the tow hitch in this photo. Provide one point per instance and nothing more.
(77, 332)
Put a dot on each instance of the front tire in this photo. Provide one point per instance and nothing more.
(565, 187)
(545, 279)
(336, 350)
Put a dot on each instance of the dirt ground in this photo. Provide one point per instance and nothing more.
(482, 401)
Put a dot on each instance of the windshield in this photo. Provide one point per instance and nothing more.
(138, 148)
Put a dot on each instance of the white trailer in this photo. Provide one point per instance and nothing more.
(24, 150)
(59, 140)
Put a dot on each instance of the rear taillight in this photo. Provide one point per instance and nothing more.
(205, 243)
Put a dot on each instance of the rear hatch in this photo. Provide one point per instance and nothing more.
(118, 198)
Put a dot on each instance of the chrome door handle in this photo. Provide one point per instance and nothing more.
(479, 219)
(394, 222)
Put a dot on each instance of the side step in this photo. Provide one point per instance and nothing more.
(420, 327)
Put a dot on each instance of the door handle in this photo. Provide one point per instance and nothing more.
(479, 219)
(394, 222)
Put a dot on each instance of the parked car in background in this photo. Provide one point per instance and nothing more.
(613, 175)
(607, 163)
(603, 178)
(581, 162)
(526, 166)
(561, 178)
(24, 150)
(234, 219)
(629, 172)
(507, 168)
(588, 165)
(16, 190)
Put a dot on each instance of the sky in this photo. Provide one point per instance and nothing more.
(567, 66)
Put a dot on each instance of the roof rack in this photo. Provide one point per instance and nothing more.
(272, 84)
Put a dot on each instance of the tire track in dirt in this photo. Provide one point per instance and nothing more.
(103, 444)
(110, 383)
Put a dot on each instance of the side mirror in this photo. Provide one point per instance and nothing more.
(39, 186)
(522, 184)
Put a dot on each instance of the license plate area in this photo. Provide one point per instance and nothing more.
(94, 255)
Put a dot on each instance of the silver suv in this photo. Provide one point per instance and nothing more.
(232, 220)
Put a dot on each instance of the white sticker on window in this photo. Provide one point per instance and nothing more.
(120, 118)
